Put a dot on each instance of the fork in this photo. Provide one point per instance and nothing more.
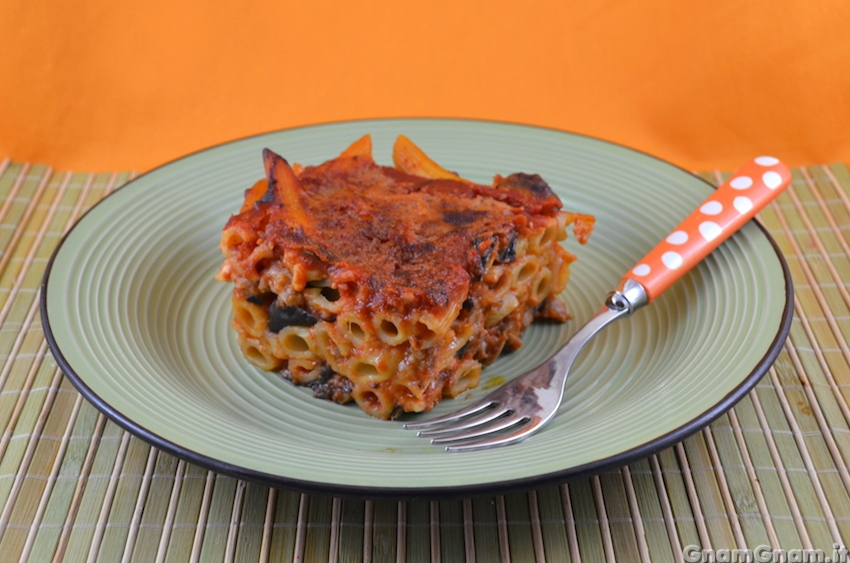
(521, 407)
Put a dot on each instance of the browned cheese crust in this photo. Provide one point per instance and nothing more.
(392, 286)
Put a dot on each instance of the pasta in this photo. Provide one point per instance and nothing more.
(392, 286)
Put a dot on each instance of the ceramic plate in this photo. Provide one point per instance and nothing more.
(137, 322)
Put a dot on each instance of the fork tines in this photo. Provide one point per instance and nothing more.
(475, 427)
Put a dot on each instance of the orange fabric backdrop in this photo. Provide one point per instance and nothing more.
(115, 85)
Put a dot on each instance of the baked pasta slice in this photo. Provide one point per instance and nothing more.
(392, 286)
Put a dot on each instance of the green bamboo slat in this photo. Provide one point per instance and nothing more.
(351, 530)
(384, 531)
(187, 514)
(149, 527)
(117, 523)
(842, 175)
(80, 535)
(168, 526)
(635, 517)
(649, 502)
(741, 489)
(418, 531)
(20, 342)
(817, 328)
(553, 524)
(824, 298)
(794, 451)
(285, 531)
(799, 481)
(251, 525)
(45, 236)
(21, 410)
(30, 225)
(830, 468)
(819, 468)
(319, 529)
(19, 444)
(837, 193)
(676, 489)
(837, 242)
(73, 474)
(536, 525)
(833, 260)
(218, 515)
(827, 213)
(61, 203)
(767, 474)
(451, 530)
(62, 417)
(822, 380)
(705, 481)
(518, 523)
(22, 196)
(587, 522)
(486, 529)
(9, 172)
(620, 522)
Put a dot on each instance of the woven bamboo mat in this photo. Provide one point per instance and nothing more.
(770, 474)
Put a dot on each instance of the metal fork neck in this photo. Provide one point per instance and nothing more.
(627, 298)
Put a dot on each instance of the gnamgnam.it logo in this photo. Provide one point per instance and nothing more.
(765, 554)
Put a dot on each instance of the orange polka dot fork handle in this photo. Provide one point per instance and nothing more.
(521, 407)
(734, 203)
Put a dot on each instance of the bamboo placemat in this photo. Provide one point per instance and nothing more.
(770, 474)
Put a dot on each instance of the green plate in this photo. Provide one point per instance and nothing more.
(137, 322)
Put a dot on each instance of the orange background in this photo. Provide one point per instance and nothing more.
(100, 85)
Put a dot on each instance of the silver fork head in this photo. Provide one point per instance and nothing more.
(507, 415)
(519, 408)
(495, 426)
